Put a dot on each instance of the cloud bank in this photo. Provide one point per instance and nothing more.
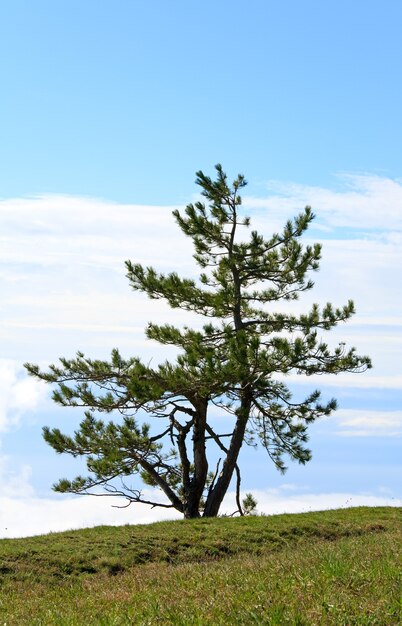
(29, 516)
(62, 262)
(362, 201)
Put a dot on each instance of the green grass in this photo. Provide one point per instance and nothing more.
(332, 567)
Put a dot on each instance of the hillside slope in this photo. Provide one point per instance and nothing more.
(331, 567)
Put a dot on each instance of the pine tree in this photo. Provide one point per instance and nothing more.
(234, 365)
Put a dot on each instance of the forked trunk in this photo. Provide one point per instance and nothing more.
(218, 492)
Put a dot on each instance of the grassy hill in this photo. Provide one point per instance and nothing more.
(332, 567)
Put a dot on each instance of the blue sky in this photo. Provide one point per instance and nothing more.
(107, 111)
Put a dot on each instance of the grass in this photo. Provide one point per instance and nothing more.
(333, 567)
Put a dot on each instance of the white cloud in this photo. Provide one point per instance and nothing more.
(63, 274)
(366, 423)
(363, 202)
(15, 484)
(23, 517)
(62, 230)
(18, 394)
(274, 503)
(365, 380)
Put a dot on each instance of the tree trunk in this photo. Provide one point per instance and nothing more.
(197, 483)
(216, 495)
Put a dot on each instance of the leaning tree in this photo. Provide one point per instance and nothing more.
(234, 366)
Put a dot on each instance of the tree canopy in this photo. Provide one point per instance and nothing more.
(233, 366)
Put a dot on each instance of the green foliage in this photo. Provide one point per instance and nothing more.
(249, 504)
(235, 364)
